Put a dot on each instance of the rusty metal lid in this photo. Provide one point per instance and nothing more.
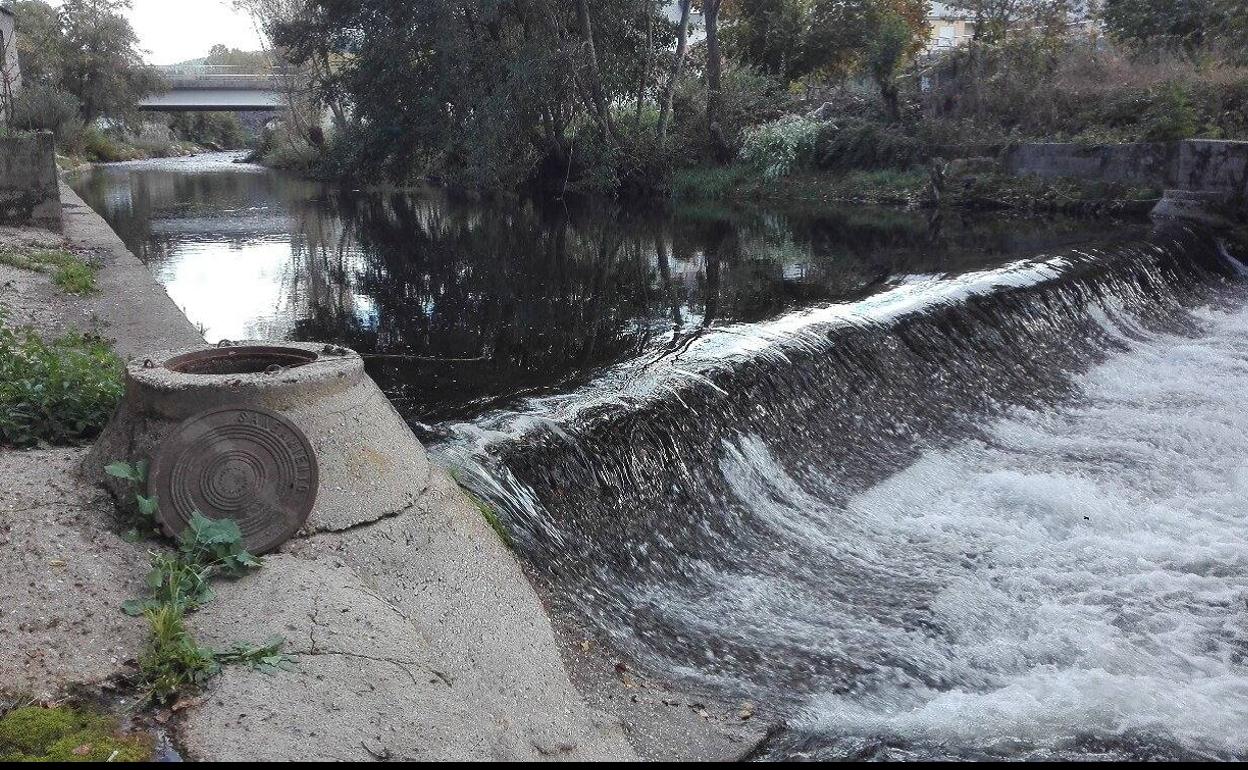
(243, 463)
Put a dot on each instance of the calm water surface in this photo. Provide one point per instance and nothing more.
(461, 307)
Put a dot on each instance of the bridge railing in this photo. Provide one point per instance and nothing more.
(218, 70)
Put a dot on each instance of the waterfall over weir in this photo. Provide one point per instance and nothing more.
(992, 514)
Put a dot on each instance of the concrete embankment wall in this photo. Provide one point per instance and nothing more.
(1195, 165)
(28, 181)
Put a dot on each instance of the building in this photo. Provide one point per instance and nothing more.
(948, 28)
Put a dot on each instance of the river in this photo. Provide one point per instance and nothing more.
(931, 487)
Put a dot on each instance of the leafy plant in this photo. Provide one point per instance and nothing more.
(266, 658)
(217, 544)
(58, 392)
(206, 548)
(1171, 116)
(180, 583)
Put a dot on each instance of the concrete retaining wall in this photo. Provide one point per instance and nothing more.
(29, 191)
(1200, 165)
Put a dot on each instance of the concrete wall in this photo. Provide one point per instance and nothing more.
(1196, 164)
(29, 193)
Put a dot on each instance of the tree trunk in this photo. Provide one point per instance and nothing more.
(669, 93)
(892, 100)
(645, 66)
(596, 90)
(714, 78)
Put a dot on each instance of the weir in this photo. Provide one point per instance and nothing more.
(867, 512)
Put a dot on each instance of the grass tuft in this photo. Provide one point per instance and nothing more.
(69, 272)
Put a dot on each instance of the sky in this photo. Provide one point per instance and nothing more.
(173, 31)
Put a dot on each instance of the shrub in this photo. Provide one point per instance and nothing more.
(748, 97)
(1170, 116)
(283, 149)
(58, 392)
(862, 144)
(782, 146)
(41, 107)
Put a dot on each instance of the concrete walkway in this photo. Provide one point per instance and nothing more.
(417, 635)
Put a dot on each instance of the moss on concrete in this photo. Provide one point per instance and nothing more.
(62, 734)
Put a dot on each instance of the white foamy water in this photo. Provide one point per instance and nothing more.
(1087, 566)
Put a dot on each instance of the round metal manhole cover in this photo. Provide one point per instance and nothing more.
(242, 463)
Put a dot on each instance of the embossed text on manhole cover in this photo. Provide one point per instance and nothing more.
(243, 463)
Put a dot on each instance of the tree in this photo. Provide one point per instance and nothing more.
(714, 80)
(317, 84)
(678, 65)
(774, 36)
(797, 39)
(102, 64)
(245, 61)
(1178, 24)
(490, 92)
(40, 42)
(886, 52)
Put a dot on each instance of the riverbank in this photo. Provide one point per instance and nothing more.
(413, 636)
(973, 186)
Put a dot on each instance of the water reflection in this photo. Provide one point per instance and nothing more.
(459, 306)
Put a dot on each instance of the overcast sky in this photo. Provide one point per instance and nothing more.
(176, 30)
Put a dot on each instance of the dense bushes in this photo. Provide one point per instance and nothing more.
(220, 129)
(781, 146)
(1028, 89)
(55, 392)
(41, 107)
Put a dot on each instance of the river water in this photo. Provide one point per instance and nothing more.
(931, 488)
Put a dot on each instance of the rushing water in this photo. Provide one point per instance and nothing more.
(932, 489)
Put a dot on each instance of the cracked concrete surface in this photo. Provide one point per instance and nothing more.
(406, 649)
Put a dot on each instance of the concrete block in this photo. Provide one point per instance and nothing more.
(29, 185)
(370, 464)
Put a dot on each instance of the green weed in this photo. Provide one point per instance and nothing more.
(179, 583)
(58, 392)
(69, 272)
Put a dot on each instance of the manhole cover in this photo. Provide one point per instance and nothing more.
(241, 463)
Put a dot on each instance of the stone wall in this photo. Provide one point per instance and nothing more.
(29, 193)
(1199, 165)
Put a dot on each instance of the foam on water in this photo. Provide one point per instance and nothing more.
(1089, 565)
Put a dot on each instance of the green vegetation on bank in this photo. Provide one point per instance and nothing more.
(64, 734)
(911, 187)
(626, 100)
(71, 273)
(55, 392)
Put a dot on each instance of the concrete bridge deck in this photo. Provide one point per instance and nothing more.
(216, 88)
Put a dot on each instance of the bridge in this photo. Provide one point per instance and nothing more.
(203, 88)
